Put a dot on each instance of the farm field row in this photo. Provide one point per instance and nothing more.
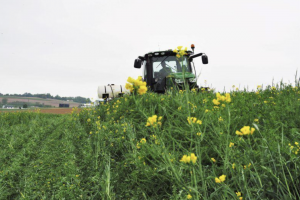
(42, 110)
(181, 145)
(51, 102)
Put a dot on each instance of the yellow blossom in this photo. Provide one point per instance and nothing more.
(233, 165)
(142, 90)
(143, 141)
(220, 179)
(214, 160)
(152, 121)
(189, 196)
(185, 159)
(216, 102)
(193, 158)
(130, 80)
(246, 130)
(231, 144)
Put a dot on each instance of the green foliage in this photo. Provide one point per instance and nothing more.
(99, 154)
(4, 101)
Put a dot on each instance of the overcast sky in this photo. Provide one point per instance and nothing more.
(69, 47)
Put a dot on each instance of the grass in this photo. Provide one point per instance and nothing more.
(109, 153)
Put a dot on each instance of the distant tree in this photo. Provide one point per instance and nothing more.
(4, 101)
(27, 94)
(25, 106)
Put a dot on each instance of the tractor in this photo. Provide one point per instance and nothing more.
(162, 70)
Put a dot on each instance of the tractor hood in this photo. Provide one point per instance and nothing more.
(180, 75)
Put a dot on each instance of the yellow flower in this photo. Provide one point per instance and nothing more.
(143, 141)
(130, 80)
(175, 51)
(177, 55)
(199, 134)
(227, 98)
(256, 120)
(206, 111)
(185, 159)
(214, 160)
(193, 158)
(152, 121)
(217, 180)
(129, 86)
(216, 102)
(138, 145)
(189, 196)
(179, 47)
(142, 90)
(220, 179)
(231, 144)
(245, 131)
(136, 86)
(238, 194)
(221, 119)
(233, 165)
(191, 120)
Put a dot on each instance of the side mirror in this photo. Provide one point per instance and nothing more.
(204, 59)
(195, 56)
(137, 63)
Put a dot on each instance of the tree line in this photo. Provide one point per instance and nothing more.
(49, 96)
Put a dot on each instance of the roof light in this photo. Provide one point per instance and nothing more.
(193, 47)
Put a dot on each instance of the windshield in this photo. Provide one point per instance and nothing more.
(163, 66)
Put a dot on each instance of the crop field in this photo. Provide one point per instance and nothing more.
(42, 110)
(181, 145)
(26, 100)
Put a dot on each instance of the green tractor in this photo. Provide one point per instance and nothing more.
(162, 70)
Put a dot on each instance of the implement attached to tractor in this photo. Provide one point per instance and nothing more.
(163, 70)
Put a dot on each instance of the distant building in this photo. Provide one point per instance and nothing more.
(8, 107)
(64, 105)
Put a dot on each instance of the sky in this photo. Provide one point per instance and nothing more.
(70, 47)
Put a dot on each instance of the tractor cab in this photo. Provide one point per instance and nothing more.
(163, 70)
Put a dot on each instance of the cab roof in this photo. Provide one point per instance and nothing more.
(164, 53)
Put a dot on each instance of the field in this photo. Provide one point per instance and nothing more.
(181, 145)
(42, 110)
(50, 102)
